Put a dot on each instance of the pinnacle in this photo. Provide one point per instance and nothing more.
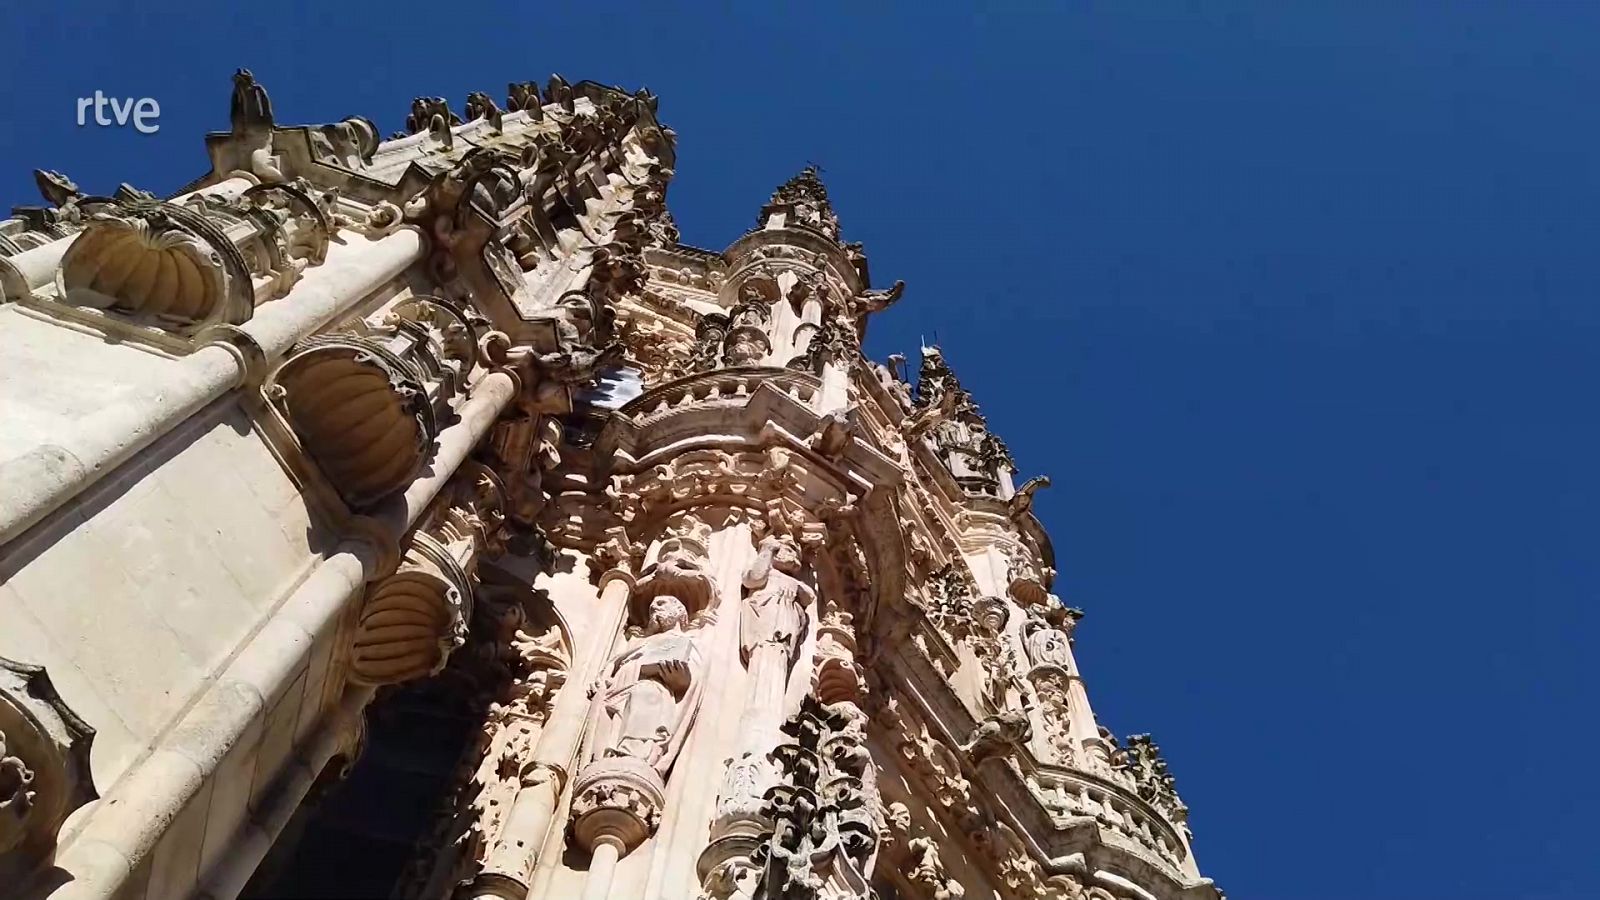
(807, 198)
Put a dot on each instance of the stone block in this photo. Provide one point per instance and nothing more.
(79, 591)
(176, 862)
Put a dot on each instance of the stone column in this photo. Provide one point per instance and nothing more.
(810, 319)
(509, 865)
(115, 838)
(603, 866)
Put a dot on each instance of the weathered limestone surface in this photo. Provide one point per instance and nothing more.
(422, 518)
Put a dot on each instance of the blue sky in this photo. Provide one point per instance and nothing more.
(1294, 301)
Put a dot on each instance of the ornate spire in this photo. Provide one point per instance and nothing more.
(948, 416)
(937, 385)
(1153, 779)
(803, 201)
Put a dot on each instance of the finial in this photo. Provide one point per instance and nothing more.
(804, 199)
(250, 107)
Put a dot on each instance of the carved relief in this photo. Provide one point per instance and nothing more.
(775, 607)
(508, 767)
(1047, 634)
(836, 676)
(925, 868)
(44, 768)
(1052, 712)
(823, 839)
(642, 713)
(1027, 582)
(679, 570)
(709, 333)
(660, 354)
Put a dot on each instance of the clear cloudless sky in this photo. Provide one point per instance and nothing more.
(1295, 302)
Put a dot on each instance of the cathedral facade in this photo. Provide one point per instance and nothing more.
(421, 518)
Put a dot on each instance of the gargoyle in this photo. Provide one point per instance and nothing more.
(877, 301)
(578, 365)
(63, 196)
(1000, 734)
(1022, 501)
(57, 189)
(832, 436)
(481, 106)
(931, 415)
(431, 114)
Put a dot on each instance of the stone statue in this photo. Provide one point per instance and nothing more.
(250, 107)
(745, 347)
(1046, 644)
(775, 608)
(772, 626)
(652, 692)
(927, 870)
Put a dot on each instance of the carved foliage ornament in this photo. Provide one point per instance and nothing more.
(507, 767)
(44, 767)
(764, 486)
(1153, 780)
(824, 812)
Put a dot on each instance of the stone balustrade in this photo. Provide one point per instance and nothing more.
(729, 388)
(1075, 794)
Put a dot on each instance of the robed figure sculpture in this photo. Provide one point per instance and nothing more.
(773, 622)
(648, 700)
(775, 608)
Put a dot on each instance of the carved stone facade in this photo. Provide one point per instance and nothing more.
(422, 518)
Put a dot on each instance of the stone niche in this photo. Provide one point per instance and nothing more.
(44, 768)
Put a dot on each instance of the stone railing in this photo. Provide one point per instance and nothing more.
(727, 387)
(1072, 794)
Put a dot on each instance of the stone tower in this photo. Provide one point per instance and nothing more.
(419, 517)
